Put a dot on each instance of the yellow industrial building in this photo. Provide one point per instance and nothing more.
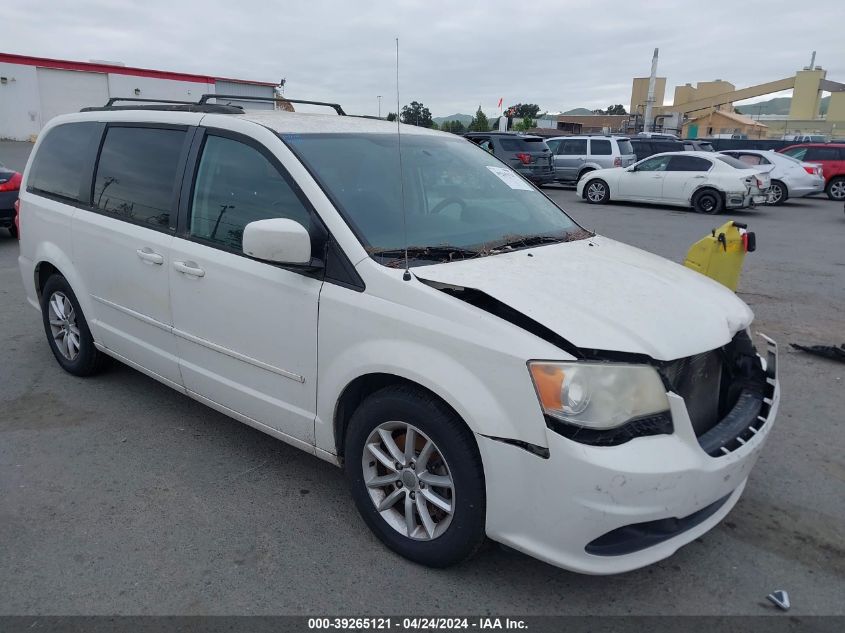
(706, 109)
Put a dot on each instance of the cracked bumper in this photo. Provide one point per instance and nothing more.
(554, 508)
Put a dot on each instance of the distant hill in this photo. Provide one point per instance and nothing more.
(463, 118)
(579, 111)
(778, 105)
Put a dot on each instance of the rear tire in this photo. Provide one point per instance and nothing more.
(835, 189)
(438, 523)
(67, 330)
(596, 191)
(779, 192)
(708, 202)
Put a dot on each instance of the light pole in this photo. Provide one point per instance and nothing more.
(379, 105)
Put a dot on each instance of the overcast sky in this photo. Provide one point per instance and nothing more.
(454, 56)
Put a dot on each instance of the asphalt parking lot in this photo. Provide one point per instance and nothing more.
(120, 496)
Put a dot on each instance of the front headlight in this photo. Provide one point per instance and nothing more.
(598, 395)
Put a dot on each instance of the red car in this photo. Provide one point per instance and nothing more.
(831, 156)
(10, 184)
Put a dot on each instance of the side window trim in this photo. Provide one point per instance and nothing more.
(189, 130)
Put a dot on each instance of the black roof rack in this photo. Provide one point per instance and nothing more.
(202, 105)
(335, 106)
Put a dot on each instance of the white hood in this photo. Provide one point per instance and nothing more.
(601, 294)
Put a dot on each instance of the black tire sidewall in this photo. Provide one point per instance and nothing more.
(717, 207)
(465, 533)
(86, 361)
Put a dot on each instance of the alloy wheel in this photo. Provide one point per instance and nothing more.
(408, 480)
(775, 194)
(837, 190)
(63, 325)
(595, 192)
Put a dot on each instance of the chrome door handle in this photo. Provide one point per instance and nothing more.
(189, 268)
(699, 176)
(148, 255)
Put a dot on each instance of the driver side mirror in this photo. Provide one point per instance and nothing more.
(632, 168)
(277, 240)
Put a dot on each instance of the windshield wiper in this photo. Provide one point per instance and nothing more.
(525, 241)
(434, 253)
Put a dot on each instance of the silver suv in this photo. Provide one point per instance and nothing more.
(574, 156)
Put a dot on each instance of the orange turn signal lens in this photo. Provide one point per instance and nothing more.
(549, 382)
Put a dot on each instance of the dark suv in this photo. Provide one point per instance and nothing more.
(645, 147)
(528, 155)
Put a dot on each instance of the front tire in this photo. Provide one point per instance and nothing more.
(708, 202)
(67, 330)
(416, 476)
(596, 191)
(835, 189)
(779, 193)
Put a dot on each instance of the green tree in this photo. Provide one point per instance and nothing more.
(479, 122)
(416, 114)
(614, 109)
(434, 125)
(523, 110)
(391, 116)
(456, 127)
(526, 124)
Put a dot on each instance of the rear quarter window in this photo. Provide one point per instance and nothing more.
(62, 165)
(625, 147)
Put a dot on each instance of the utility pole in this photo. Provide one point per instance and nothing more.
(379, 105)
(649, 102)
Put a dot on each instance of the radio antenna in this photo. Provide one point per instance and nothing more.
(407, 275)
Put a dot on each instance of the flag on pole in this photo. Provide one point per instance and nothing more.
(500, 103)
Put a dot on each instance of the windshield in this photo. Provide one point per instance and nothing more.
(456, 194)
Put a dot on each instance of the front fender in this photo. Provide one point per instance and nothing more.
(487, 384)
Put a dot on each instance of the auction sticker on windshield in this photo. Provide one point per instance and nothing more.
(509, 178)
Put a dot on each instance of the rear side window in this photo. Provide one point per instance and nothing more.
(822, 153)
(573, 147)
(600, 147)
(680, 162)
(63, 160)
(522, 144)
(136, 174)
(236, 184)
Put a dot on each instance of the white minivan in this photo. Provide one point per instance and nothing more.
(478, 363)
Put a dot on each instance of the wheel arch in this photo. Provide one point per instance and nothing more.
(706, 187)
(592, 178)
(365, 385)
(51, 260)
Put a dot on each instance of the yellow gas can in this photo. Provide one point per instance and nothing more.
(721, 254)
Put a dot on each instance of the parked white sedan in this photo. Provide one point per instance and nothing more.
(705, 181)
(791, 178)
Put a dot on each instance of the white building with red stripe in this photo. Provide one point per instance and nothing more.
(33, 89)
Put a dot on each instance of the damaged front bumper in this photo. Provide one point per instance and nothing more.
(611, 509)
